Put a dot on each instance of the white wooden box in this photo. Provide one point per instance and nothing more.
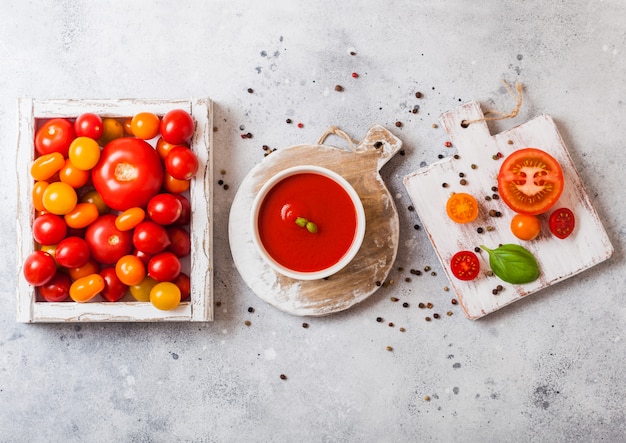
(200, 264)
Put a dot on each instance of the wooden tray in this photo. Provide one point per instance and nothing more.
(362, 277)
(558, 259)
(200, 306)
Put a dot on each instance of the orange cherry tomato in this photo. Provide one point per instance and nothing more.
(37, 195)
(128, 130)
(59, 198)
(82, 215)
(462, 208)
(145, 125)
(70, 174)
(112, 129)
(46, 166)
(165, 296)
(525, 227)
(163, 147)
(130, 218)
(174, 185)
(130, 270)
(89, 268)
(86, 288)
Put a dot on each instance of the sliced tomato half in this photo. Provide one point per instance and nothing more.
(465, 265)
(562, 223)
(530, 181)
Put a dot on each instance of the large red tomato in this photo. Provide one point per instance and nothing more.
(128, 174)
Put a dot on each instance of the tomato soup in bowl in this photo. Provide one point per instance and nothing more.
(308, 222)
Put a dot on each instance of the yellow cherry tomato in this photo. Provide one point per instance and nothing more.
(86, 288)
(141, 291)
(50, 249)
(525, 227)
(145, 125)
(59, 198)
(46, 166)
(165, 296)
(73, 176)
(112, 129)
(130, 218)
(130, 270)
(37, 195)
(84, 153)
(95, 198)
(91, 267)
(82, 215)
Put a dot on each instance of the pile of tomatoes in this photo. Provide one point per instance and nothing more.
(111, 212)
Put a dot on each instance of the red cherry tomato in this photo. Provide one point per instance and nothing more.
(184, 284)
(177, 127)
(128, 173)
(57, 289)
(164, 209)
(72, 252)
(180, 241)
(114, 289)
(39, 268)
(185, 215)
(107, 243)
(562, 223)
(181, 163)
(164, 267)
(150, 237)
(49, 229)
(55, 135)
(465, 265)
(89, 125)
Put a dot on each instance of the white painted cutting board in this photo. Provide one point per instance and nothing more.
(558, 259)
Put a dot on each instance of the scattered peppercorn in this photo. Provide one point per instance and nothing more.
(461, 174)
(378, 283)
(402, 152)
(411, 208)
(288, 121)
(477, 249)
(427, 318)
(338, 88)
(247, 323)
(444, 185)
(463, 181)
(426, 398)
(435, 125)
(283, 377)
(421, 306)
(433, 273)
(510, 142)
(490, 228)
(454, 301)
(418, 94)
(494, 188)
(407, 279)
(456, 156)
(220, 182)
(225, 187)
(405, 305)
(355, 75)
(449, 313)
(352, 53)
(398, 124)
(300, 125)
(250, 309)
(492, 213)
(495, 196)
(488, 198)
(473, 166)
(440, 156)
(448, 144)
(480, 230)
(394, 299)
(435, 315)
(378, 145)
(445, 288)
(305, 325)
(389, 348)
(426, 268)
(223, 171)
(391, 325)
(379, 319)
(429, 305)
(416, 227)
(250, 90)
(402, 329)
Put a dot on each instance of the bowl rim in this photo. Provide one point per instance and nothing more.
(357, 241)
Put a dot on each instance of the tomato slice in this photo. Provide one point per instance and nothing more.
(562, 223)
(530, 181)
(462, 208)
(465, 265)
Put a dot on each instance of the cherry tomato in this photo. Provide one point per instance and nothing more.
(112, 130)
(141, 291)
(150, 237)
(57, 289)
(164, 209)
(129, 219)
(50, 250)
(145, 125)
(465, 265)
(86, 288)
(185, 216)
(130, 270)
(462, 208)
(164, 267)
(562, 223)
(73, 176)
(55, 135)
(163, 147)
(49, 229)
(37, 195)
(46, 166)
(91, 267)
(530, 181)
(128, 174)
(89, 125)
(95, 198)
(184, 284)
(165, 296)
(107, 243)
(82, 215)
(39, 268)
(181, 163)
(525, 227)
(144, 257)
(128, 129)
(72, 252)
(174, 185)
(59, 198)
(180, 241)
(114, 289)
(84, 153)
(177, 127)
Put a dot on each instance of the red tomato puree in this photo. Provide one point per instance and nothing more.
(320, 200)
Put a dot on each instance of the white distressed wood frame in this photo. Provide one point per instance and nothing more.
(200, 305)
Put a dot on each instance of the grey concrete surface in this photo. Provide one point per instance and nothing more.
(549, 368)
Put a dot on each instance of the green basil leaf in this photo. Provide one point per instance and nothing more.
(513, 263)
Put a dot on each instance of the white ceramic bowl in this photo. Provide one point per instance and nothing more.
(356, 241)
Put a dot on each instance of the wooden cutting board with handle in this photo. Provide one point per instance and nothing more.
(360, 166)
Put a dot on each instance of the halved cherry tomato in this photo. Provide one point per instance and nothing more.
(57, 289)
(165, 296)
(89, 125)
(465, 265)
(177, 127)
(530, 181)
(73, 176)
(84, 152)
(46, 166)
(462, 208)
(130, 270)
(525, 227)
(562, 223)
(129, 219)
(86, 288)
(145, 125)
(55, 135)
(82, 215)
(59, 198)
